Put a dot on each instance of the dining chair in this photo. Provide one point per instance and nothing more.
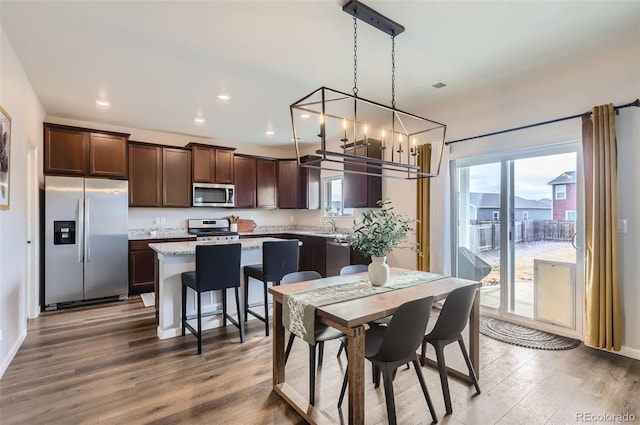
(217, 268)
(451, 322)
(353, 269)
(322, 333)
(278, 259)
(388, 347)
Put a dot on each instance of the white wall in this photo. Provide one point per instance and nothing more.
(609, 77)
(19, 100)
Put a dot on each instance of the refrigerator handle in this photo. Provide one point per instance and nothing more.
(80, 227)
(87, 231)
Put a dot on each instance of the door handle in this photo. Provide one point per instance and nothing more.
(87, 251)
(573, 241)
(80, 228)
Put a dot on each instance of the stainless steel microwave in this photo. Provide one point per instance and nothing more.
(213, 195)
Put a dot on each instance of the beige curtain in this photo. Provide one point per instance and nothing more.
(422, 210)
(602, 296)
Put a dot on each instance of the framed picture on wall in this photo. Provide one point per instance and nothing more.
(5, 151)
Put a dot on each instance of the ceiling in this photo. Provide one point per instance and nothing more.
(162, 63)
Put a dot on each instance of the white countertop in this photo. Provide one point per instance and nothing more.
(189, 247)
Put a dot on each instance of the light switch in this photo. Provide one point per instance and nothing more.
(0, 334)
(622, 225)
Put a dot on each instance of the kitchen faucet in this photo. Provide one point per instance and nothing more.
(332, 223)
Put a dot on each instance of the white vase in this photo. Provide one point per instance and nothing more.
(378, 271)
(233, 227)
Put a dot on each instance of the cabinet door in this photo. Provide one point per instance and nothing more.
(203, 164)
(142, 271)
(176, 177)
(313, 254)
(288, 184)
(362, 190)
(107, 155)
(266, 196)
(65, 151)
(145, 175)
(224, 166)
(309, 185)
(245, 181)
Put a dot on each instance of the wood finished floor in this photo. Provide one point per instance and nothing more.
(104, 364)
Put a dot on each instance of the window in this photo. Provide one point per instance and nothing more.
(570, 215)
(496, 215)
(333, 202)
(525, 215)
(561, 191)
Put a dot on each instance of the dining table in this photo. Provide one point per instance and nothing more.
(351, 317)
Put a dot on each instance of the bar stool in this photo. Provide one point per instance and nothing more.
(278, 259)
(217, 268)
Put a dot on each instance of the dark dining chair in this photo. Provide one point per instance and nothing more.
(322, 333)
(389, 347)
(278, 259)
(217, 268)
(448, 328)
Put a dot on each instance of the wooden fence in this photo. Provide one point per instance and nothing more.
(485, 235)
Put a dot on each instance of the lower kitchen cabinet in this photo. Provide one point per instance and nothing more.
(143, 269)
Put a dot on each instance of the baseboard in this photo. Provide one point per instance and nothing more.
(625, 351)
(12, 353)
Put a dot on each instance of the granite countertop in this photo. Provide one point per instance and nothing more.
(169, 233)
(298, 230)
(189, 247)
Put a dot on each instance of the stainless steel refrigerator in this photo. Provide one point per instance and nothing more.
(85, 240)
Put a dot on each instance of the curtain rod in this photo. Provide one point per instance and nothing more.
(635, 103)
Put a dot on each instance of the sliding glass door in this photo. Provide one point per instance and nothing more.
(519, 220)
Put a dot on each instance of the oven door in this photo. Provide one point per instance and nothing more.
(212, 195)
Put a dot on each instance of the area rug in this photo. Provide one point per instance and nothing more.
(523, 336)
(148, 299)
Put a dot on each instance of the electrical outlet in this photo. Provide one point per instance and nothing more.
(156, 220)
(162, 220)
(0, 334)
(622, 226)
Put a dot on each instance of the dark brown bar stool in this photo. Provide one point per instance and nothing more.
(217, 268)
(278, 259)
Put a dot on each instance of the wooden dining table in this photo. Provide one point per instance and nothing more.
(351, 317)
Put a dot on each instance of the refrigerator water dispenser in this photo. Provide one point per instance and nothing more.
(64, 232)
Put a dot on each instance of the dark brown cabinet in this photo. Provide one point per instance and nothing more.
(84, 152)
(245, 181)
(298, 187)
(176, 177)
(159, 176)
(266, 187)
(143, 269)
(255, 182)
(212, 164)
(362, 190)
(145, 175)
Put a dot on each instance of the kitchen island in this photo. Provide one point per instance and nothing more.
(177, 257)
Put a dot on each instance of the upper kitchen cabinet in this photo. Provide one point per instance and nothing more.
(212, 164)
(255, 182)
(176, 177)
(267, 191)
(245, 181)
(298, 187)
(362, 190)
(159, 176)
(84, 152)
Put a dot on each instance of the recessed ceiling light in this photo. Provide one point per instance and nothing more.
(199, 120)
(439, 85)
(269, 132)
(304, 115)
(104, 103)
(223, 96)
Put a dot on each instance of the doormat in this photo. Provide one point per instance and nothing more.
(522, 336)
(148, 299)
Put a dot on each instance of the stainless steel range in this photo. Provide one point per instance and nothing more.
(207, 229)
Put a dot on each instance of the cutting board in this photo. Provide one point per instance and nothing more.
(246, 225)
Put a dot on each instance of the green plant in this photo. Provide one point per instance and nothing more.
(380, 231)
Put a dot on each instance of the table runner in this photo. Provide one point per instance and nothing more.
(299, 309)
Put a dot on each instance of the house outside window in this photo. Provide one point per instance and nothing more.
(496, 215)
(333, 197)
(570, 215)
(525, 215)
(561, 191)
